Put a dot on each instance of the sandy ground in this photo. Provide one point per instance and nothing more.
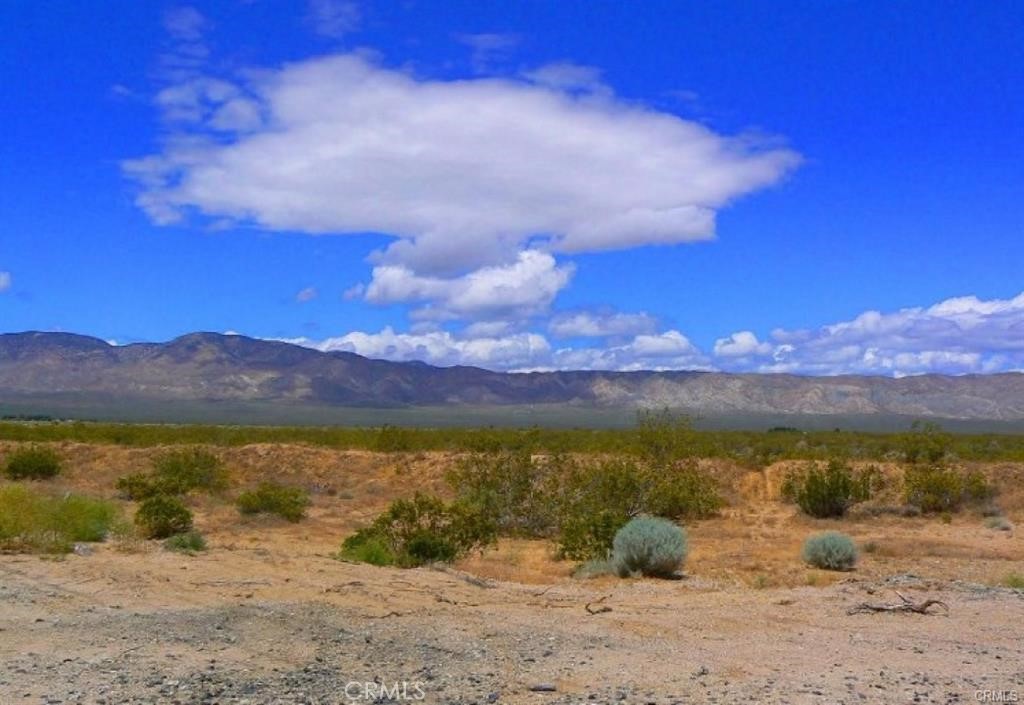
(268, 616)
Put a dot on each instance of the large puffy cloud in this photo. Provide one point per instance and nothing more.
(462, 172)
(958, 335)
(518, 290)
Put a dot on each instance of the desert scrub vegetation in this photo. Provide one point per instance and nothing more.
(176, 472)
(272, 498)
(829, 491)
(937, 488)
(189, 542)
(830, 550)
(1014, 580)
(582, 502)
(34, 521)
(163, 516)
(421, 530)
(748, 448)
(649, 546)
(32, 463)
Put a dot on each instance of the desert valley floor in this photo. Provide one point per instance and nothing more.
(267, 615)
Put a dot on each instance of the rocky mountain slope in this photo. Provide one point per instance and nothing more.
(212, 367)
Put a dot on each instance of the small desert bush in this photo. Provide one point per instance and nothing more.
(649, 546)
(421, 530)
(188, 542)
(939, 488)
(32, 463)
(272, 498)
(36, 522)
(831, 551)
(162, 516)
(829, 491)
(1014, 580)
(999, 524)
(187, 469)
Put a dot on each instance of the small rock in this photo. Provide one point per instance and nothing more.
(543, 688)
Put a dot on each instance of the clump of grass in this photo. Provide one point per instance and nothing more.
(272, 498)
(1014, 580)
(594, 568)
(189, 542)
(830, 550)
(162, 516)
(36, 522)
(32, 463)
(649, 546)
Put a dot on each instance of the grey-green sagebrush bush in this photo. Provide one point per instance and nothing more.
(649, 546)
(830, 550)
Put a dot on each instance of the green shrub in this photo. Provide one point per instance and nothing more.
(1014, 580)
(663, 436)
(367, 546)
(831, 551)
(650, 546)
(512, 487)
(271, 498)
(32, 463)
(32, 521)
(829, 491)
(187, 469)
(161, 516)
(596, 499)
(925, 443)
(421, 530)
(940, 488)
(139, 486)
(188, 542)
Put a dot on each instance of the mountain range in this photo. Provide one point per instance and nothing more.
(60, 373)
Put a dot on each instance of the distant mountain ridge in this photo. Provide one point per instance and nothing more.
(210, 367)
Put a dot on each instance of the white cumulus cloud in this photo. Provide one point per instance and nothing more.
(589, 324)
(5, 281)
(463, 173)
(958, 335)
(521, 289)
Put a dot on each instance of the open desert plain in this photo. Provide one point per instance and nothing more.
(268, 613)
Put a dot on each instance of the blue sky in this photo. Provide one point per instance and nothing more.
(811, 187)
